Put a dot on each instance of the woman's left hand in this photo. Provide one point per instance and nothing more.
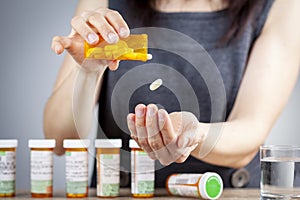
(165, 137)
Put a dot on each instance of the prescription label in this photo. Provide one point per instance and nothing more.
(182, 190)
(108, 175)
(142, 173)
(76, 172)
(41, 163)
(7, 172)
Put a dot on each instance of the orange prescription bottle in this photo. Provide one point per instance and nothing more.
(7, 167)
(41, 167)
(142, 172)
(134, 47)
(76, 168)
(206, 186)
(108, 167)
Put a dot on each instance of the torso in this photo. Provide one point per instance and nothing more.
(205, 28)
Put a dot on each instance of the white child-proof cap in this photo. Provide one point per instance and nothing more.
(46, 143)
(8, 143)
(108, 143)
(71, 143)
(133, 144)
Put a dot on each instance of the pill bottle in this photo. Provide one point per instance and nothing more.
(134, 47)
(76, 168)
(206, 186)
(108, 167)
(7, 167)
(142, 172)
(41, 167)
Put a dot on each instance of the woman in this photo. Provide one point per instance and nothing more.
(255, 45)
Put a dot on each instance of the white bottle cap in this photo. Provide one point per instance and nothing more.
(47, 143)
(210, 186)
(71, 143)
(8, 143)
(133, 144)
(108, 143)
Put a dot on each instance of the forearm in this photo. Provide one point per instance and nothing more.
(233, 143)
(69, 110)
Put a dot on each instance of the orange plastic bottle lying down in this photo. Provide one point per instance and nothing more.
(134, 47)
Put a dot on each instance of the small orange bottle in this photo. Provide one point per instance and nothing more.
(134, 47)
(41, 167)
(8, 167)
(142, 172)
(108, 167)
(76, 168)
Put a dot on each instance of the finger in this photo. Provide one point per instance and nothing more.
(114, 65)
(104, 28)
(131, 125)
(141, 130)
(154, 137)
(185, 153)
(118, 23)
(166, 128)
(59, 44)
(182, 159)
(82, 28)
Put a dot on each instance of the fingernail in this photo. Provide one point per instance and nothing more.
(57, 48)
(151, 111)
(139, 112)
(129, 119)
(92, 37)
(112, 38)
(124, 32)
(161, 116)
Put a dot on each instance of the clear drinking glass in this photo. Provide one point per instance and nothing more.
(280, 175)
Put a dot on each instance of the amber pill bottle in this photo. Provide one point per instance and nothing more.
(76, 153)
(8, 167)
(108, 167)
(41, 167)
(142, 172)
(204, 186)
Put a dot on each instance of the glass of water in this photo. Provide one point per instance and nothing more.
(280, 172)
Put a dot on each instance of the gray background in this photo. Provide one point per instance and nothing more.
(29, 68)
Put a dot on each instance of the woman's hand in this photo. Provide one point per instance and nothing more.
(166, 137)
(108, 23)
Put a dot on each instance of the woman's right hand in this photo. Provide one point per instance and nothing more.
(108, 23)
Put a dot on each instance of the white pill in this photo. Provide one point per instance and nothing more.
(156, 84)
(149, 56)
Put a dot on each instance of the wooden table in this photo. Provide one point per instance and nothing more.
(232, 194)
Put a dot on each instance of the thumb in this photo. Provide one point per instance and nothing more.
(192, 136)
(60, 43)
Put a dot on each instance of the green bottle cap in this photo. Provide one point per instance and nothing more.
(211, 186)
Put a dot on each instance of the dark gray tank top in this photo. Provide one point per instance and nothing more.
(207, 29)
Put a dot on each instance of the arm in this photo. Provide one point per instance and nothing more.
(270, 76)
(78, 82)
(269, 79)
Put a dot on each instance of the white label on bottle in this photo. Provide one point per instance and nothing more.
(108, 175)
(7, 172)
(76, 166)
(41, 165)
(7, 165)
(184, 190)
(142, 173)
(184, 184)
